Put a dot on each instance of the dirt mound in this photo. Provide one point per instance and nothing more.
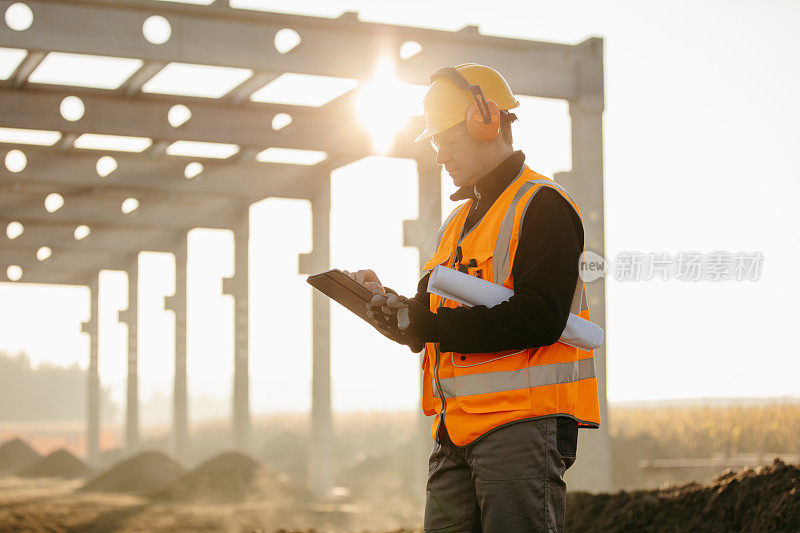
(16, 454)
(764, 499)
(230, 477)
(60, 463)
(145, 472)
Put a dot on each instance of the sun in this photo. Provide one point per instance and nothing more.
(384, 105)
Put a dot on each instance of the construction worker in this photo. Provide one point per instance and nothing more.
(506, 396)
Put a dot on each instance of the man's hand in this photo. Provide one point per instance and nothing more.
(391, 308)
(402, 320)
(368, 279)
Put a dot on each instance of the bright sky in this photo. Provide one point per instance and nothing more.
(700, 144)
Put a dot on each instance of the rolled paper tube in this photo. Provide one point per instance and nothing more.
(470, 291)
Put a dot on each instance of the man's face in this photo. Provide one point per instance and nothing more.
(464, 158)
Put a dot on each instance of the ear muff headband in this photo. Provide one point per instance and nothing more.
(483, 115)
(461, 82)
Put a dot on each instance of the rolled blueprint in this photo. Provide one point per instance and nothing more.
(470, 291)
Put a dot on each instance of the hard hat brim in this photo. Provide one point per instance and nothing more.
(430, 130)
(426, 134)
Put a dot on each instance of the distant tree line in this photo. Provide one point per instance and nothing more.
(45, 393)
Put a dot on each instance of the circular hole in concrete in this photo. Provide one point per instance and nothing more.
(105, 166)
(409, 49)
(16, 161)
(19, 16)
(14, 230)
(130, 205)
(157, 29)
(43, 253)
(286, 40)
(281, 120)
(72, 108)
(81, 232)
(53, 202)
(192, 169)
(14, 272)
(178, 115)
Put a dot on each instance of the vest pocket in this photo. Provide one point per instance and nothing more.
(478, 265)
(501, 383)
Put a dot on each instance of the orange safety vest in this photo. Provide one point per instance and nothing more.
(479, 392)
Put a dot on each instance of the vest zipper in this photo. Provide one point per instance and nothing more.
(436, 377)
(439, 387)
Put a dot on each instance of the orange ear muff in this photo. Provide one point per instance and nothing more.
(477, 126)
(483, 114)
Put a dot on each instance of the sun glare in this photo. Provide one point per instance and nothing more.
(384, 105)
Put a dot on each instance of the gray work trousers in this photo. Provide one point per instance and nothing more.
(509, 480)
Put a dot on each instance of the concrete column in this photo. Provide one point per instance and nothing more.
(238, 287)
(421, 233)
(93, 379)
(321, 459)
(177, 304)
(592, 470)
(130, 317)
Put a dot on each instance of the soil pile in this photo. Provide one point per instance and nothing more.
(228, 478)
(16, 454)
(145, 472)
(762, 499)
(60, 463)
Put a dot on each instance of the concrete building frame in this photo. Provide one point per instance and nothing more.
(170, 205)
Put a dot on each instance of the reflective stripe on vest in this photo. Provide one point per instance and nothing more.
(442, 229)
(532, 376)
(502, 262)
(579, 300)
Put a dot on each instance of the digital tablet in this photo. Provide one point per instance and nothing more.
(340, 287)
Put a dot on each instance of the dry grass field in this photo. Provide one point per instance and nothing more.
(707, 438)
(701, 430)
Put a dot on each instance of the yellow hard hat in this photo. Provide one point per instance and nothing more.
(447, 100)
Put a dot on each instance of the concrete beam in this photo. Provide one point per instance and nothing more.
(109, 245)
(238, 180)
(109, 238)
(20, 76)
(93, 207)
(39, 275)
(164, 176)
(351, 48)
(142, 76)
(211, 121)
(62, 260)
(241, 94)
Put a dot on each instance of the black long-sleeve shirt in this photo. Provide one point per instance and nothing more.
(545, 273)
